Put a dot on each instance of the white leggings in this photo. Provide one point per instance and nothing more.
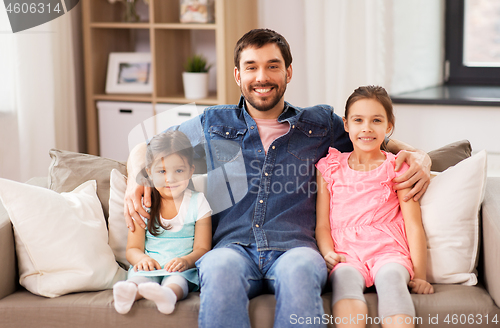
(391, 283)
(164, 280)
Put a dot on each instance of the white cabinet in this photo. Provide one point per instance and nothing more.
(123, 125)
(168, 115)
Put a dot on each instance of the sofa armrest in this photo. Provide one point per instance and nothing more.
(8, 272)
(491, 237)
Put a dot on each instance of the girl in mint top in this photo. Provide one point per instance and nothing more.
(365, 231)
(178, 232)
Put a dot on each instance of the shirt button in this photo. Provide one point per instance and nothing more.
(266, 174)
(293, 126)
(260, 150)
(310, 131)
(261, 201)
(252, 127)
(274, 147)
(256, 225)
(227, 133)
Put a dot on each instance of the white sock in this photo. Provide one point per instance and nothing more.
(124, 293)
(163, 296)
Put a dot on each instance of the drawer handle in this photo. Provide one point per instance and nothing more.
(128, 111)
(184, 114)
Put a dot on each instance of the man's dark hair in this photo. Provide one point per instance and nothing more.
(259, 38)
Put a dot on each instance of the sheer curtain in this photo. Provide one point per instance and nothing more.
(39, 111)
(397, 44)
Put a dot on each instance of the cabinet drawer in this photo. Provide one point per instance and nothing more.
(168, 115)
(123, 125)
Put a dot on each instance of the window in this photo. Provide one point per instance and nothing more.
(473, 42)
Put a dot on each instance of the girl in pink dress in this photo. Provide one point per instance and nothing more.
(365, 231)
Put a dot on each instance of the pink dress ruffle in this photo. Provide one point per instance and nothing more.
(365, 217)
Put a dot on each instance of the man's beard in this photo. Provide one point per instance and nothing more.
(264, 106)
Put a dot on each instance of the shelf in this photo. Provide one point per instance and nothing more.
(144, 25)
(180, 99)
(185, 26)
(147, 25)
(124, 97)
(177, 99)
(170, 42)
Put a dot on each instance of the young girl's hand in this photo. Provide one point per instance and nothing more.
(177, 265)
(420, 286)
(332, 259)
(147, 264)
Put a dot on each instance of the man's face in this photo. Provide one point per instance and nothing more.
(262, 78)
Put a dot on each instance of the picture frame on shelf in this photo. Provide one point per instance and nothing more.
(129, 72)
(196, 11)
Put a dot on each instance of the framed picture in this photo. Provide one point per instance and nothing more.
(129, 72)
(196, 11)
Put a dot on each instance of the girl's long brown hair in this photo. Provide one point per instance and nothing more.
(163, 145)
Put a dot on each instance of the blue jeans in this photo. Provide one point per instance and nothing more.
(230, 276)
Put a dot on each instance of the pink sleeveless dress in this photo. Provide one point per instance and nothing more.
(365, 217)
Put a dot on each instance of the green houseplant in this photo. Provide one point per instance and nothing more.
(195, 77)
(196, 64)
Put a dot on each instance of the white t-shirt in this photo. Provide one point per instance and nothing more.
(177, 222)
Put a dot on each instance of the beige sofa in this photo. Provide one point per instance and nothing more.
(473, 306)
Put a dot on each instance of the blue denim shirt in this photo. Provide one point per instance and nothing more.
(267, 199)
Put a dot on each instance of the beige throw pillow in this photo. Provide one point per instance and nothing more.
(449, 155)
(69, 170)
(450, 209)
(61, 239)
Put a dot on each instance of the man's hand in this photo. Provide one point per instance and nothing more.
(332, 259)
(420, 286)
(417, 176)
(133, 203)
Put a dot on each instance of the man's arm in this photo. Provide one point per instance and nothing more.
(418, 176)
(133, 195)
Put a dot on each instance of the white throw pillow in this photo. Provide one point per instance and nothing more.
(61, 239)
(117, 226)
(450, 209)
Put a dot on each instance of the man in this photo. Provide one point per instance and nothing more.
(264, 240)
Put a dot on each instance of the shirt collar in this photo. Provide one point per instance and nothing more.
(288, 113)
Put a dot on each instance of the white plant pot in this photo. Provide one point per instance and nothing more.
(195, 85)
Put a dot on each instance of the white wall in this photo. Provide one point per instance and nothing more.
(428, 127)
(287, 18)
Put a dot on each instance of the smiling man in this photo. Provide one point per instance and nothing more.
(264, 241)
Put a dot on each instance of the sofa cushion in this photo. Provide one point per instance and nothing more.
(449, 155)
(69, 170)
(450, 209)
(82, 310)
(61, 239)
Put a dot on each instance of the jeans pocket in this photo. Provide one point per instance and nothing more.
(225, 142)
(306, 139)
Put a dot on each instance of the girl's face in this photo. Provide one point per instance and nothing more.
(171, 175)
(367, 124)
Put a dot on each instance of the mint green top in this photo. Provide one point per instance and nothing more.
(178, 241)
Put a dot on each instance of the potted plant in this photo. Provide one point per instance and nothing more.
(195, 77)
